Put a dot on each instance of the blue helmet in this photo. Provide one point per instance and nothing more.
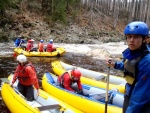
(51, 41)
(137, 28)
(41, 41)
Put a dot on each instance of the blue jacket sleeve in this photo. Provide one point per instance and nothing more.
(141, 92)
(17, 42)
(119, 66)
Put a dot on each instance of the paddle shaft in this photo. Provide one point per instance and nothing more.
(20, 43)
(107, 88)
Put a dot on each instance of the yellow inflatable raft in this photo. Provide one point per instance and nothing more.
(44, 103)
(92, 101)
(90, 77)
(59, 51)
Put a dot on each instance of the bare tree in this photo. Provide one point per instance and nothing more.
(147, 10)
(116, 12)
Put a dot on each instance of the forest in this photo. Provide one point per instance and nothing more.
(113, 13)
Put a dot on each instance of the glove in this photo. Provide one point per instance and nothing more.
(80, 92)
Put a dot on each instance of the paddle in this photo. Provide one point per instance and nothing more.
(20, 43)
(107, 87)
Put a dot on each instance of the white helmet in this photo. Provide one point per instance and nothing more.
(21, 58)
(32, 40)
(19, 36)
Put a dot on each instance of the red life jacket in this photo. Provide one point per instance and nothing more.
(41, 47)
(29, 46)
(50, 48)
(26, 75)
(66, 81)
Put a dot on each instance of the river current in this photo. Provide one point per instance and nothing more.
(79, 57)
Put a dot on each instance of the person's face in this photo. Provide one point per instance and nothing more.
(134, 41)
(75, 78)
(21, 63)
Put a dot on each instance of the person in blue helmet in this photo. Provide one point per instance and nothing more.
(136, 68)
(50, 47)
(41, 46)
(19, 41)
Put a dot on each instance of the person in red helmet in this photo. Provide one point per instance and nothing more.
(69, 78)
(30, 45)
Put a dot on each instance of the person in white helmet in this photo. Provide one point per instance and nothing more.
(30, 46)
(27, 77)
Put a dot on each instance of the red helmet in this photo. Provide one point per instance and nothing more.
(76, 73)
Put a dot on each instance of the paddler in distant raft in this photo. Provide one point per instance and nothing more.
(19, 41)
(41, 46)
(50, 46)
(30, 46)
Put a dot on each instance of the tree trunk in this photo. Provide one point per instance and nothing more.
(131, 11)
(116, 11)
(146, 12)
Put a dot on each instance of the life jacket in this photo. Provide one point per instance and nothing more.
(24, 77)
(29, 46)
(49, 47)
(62, 78)
(130, 69)
(40, 47)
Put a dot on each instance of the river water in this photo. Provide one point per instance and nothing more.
(79, 57)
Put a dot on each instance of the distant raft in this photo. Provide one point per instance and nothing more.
(59, 51)
(43, 103)
(90, 77)
(92, 100)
